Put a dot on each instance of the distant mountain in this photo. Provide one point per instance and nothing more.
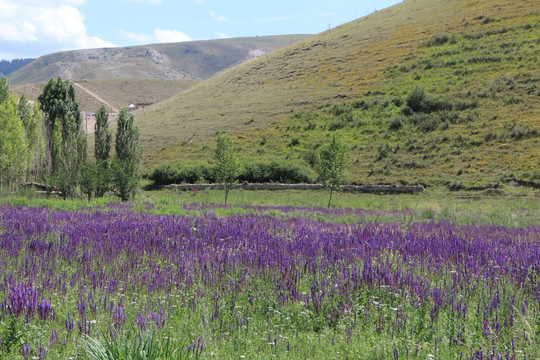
(192, 60)
(9, 66)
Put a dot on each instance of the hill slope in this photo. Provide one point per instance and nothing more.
(193, 60)
(475, 63)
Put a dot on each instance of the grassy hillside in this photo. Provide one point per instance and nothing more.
(172, 61)
(427, 91)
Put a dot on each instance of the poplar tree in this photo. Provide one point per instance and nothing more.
(57, 101)
(14, 154)
(102, 150)
(127, 163)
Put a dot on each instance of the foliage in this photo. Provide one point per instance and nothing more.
(333, 164)
(15, 157)
(228, 166)
(125, 177)
(125, 169)
(4, 89)
(102, 135)
(72, 156)
(58, 101)
(289, 172)
(131, 346)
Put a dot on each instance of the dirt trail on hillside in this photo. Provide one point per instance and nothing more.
(96, 96)
(91, 121)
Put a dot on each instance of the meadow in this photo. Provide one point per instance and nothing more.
(179, 276)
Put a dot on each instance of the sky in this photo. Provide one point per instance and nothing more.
(31, 28)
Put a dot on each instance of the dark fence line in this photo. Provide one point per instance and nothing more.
(388, 189)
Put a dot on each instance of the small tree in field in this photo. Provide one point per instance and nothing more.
(228, 165)
(332, 165)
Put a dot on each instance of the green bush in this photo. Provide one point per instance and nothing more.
(289, 172)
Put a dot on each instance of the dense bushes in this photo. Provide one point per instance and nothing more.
(290, 172)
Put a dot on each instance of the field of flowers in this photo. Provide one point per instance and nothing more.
(119, 282)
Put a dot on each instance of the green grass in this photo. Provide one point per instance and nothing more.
(513, 206)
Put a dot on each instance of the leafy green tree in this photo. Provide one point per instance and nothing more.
(14, 154)
(102, 150)
(332, 165)
(89, 179)
(35, 133)
(126, 171)
(228, 166)
(72, 156)
(57, 101)
(103, 136)
(4, 89)
(33, 122)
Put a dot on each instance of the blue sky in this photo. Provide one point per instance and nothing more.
(31, 28)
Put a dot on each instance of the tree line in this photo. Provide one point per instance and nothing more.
(46, 142)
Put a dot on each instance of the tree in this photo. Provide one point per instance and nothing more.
(4, 89)
(332, 165)
(14, 154)
(228, 165)
(102, 150)
(71, 158)
(33, 122)
(57, 101)
(102, 135)
(127, 163)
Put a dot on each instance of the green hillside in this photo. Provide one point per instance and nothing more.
(427, 91)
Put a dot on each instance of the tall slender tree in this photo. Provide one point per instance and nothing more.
(4, 89)
(102, 135)
(57, 101)
(102, 150)
(14, 154)
(127, 163)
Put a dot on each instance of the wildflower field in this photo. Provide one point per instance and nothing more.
(121, 282)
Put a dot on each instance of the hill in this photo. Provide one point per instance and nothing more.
(192, 60)
(427, 91)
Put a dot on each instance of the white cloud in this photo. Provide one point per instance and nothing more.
(164, 36)
(217, 17)
(222, 36)
(33, 28)
(159, 36)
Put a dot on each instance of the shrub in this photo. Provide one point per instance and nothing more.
(437, 40)
(163, 174)
(416, 98)
(290, 172)
(396, 124)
